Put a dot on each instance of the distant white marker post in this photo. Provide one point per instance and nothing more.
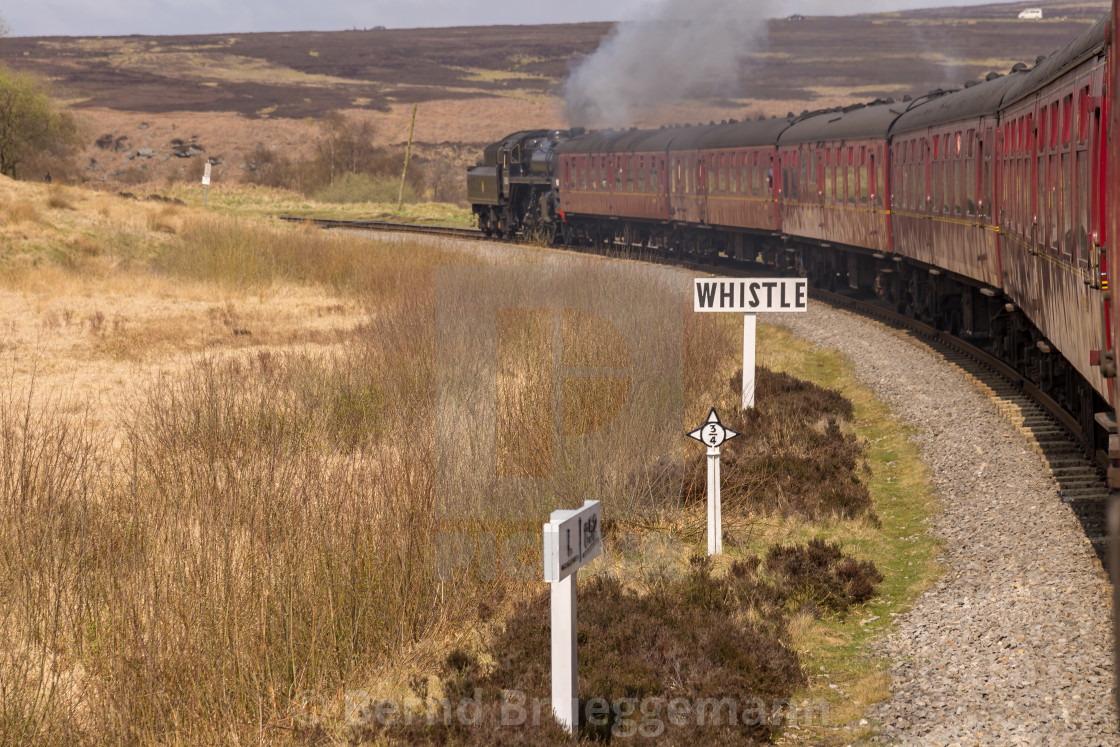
(205, 181)
(712, 434)
(750, 296)
(572, 539)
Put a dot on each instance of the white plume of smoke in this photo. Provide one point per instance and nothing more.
(656, 60)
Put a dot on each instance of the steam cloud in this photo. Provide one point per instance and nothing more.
(680, 45)
(658, 59)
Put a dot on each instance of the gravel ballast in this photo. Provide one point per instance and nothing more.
(1012, 644)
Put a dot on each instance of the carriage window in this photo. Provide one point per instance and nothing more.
(827, 182)
(1067, 113)
(654, 184)
(1054, 124)
(1083, 115)
(789, 176)
(904, 183)
(958, 183)
(912, 186)
(1066, 195)
(806, 163)
(863, 179)
(1081, 239)
(946, 179)
(968, 181)
(1052, 194)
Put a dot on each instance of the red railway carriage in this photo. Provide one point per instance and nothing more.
(831, 178)
(738, 161)
(614, 174)
(943, 181)
(1052, 200)
(688, 176)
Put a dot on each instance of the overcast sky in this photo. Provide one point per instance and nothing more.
(121, 17)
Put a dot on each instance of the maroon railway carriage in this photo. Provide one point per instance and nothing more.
(609, 175)
(614, 174)
(687, 185)
(1052, 201)
(943, 181)
(832, 178)
(1111, 227)
(737, 163)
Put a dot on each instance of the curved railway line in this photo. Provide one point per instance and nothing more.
(1055, 433)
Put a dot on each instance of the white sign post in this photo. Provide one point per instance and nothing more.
(571, 540)
(205, 181)
(712, 434)
(750, 296)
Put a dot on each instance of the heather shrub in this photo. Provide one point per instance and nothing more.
(820, 574)
(793, 456)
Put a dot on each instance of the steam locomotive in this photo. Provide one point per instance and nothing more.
(984, 211)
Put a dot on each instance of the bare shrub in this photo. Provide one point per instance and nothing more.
(50, 536)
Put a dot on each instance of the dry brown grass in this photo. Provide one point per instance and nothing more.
(21, 212)
(216, 507)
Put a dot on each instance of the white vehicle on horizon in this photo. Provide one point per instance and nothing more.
(1031, 14)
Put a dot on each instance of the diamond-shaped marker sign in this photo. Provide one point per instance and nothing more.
(713, 433)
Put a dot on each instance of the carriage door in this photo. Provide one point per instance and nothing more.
(1089, 171)
(701, 188)
(677, 188)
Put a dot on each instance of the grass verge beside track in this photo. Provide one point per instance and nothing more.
(836, 650)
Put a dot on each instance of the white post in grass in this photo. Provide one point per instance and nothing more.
(712, 434)
(205, 181)
(750, 327)
(750, 296)
(571, 540)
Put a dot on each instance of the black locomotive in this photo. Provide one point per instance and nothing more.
(513, 189)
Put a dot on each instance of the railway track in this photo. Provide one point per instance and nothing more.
(380, 225)
(1054, 433)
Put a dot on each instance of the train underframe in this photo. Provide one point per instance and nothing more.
(980, 314)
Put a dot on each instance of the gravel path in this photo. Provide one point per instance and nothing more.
(1012, 645)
